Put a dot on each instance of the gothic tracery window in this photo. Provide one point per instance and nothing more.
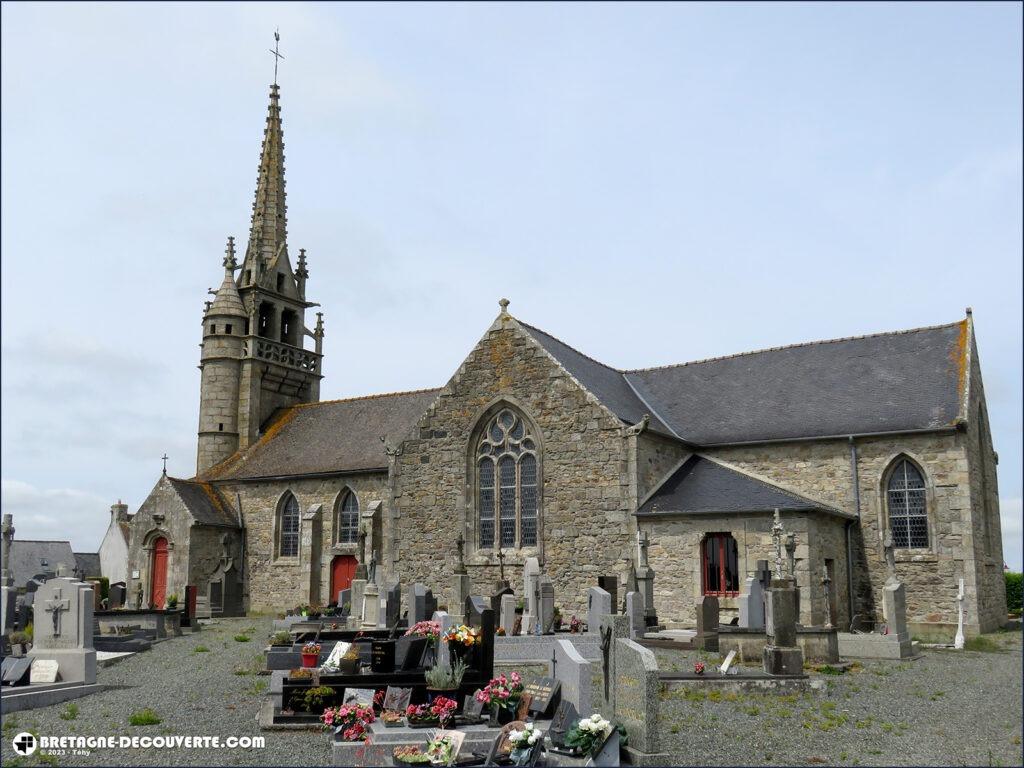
(348, 518)
(507, 477)
(908, 514)
(288, 528)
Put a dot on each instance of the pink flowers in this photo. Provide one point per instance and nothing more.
(575, 625)
(502, 690)
(428, 629)
(698, 668)
(351, 718)
(443, 708)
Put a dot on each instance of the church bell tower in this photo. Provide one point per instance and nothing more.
(253, 360)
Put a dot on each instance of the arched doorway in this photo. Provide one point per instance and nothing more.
(343, 568)
(158, 574)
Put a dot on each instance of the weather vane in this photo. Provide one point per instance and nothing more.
(276, 52)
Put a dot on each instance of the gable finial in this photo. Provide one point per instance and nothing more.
(164, 457)
(229, 255)
(503, 303)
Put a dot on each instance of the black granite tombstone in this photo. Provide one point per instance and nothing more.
(545, 693)
(382, 656)
(16, 671)
(563, 721)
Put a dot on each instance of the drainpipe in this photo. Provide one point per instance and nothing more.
(849, 529)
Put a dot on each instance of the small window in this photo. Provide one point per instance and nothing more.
(213, 329)
(720, 565)
(246, 327)
(227, 329)
(280, 282)
(908, 516)
(348, 519)
(220, 427)
(248, 276)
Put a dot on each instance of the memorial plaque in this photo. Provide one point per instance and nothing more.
(337, 653)
(16, 670)
(455, 738)
(472, 708)
(44, 671)
(545, 692)
(397, 699)
(608, 754)
(361, 696)
(414, 653)
(382, 656)
(563, 721)
(523, 710)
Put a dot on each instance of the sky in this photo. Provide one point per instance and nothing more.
(650, 183)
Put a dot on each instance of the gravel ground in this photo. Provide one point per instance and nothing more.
(948, 708)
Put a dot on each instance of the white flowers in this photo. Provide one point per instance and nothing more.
(595, 724)
(525, 738)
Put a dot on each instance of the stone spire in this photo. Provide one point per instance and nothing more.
(268, 231)
(227, 301)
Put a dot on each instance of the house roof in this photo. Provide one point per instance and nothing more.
(901, 381)
(703, 486)
(28, 557)
(204, 502)
(327, 437)
(88, 564)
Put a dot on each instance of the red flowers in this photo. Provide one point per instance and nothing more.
(353, 719)
(502, 690)
(698, 668)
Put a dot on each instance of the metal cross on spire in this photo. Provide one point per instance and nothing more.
(164, 457)
(276, 52)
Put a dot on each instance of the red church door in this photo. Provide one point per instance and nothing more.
(158, 576)
(343, 568)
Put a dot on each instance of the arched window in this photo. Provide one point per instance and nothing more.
(905, 496)
(348, 518)
(507, 477)
(288, 528)
(719, 559)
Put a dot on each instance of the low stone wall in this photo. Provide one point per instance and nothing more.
(537, 649)
(818, 644)
(162, 624)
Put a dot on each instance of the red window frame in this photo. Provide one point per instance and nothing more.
(715, 572)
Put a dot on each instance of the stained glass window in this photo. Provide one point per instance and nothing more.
(908, 517)
(348, 519)
(507, 480)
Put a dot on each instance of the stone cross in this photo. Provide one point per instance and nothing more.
(958, 642)
(460, 562)
(777, 531)
(791, 553)
(763, 574)
(642, 542)
(890, 554)
(501, 560)
(606, 649)
(8, 536)
(55, 606)
(826, 582)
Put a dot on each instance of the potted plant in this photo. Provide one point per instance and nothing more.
(172, 601)
(391, 718)
(463, 641)
(310, 654)
(353, 720)
(588, 734)
(420, 716)
(19, 641)
(698, 668)
(502, 695)
(412, 755)
(300, 673)
(447, 677)
(317, 698)
(281, 638)
(523, 743)
(575, 625)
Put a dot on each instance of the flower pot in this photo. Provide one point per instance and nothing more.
(520, 756)
(501, 716)
(310, 659)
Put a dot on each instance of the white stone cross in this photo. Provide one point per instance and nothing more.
(958, 641)
(55, 606)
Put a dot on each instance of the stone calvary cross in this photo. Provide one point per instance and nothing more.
(55, 606)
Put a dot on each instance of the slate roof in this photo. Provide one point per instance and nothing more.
(88, 564)
(901, 381)
(703, 486)
(326, 437)
(27, 557)
(204, 502)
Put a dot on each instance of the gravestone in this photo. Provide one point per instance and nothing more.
(419, 603)
(609, 584)
(345, 599)
(480, 616)
(645, 579)
(546, 594)
(565, 717)
(361, 696)
(462, 586)
(471, 708)
(608, 754)
(508, 613)
(382, 656)
(16, 671)
(393, 604)
(44, 671)
(752, 604)
(397, 699)
(531, 573)
(431, 602)
(599, 603)
(496, 598)
(707, 623)
(118, 594)
(371, 607)
(635, 614)
(358, 594)
(781, 654)
(545, 693)
(63, 629)
(574, 673)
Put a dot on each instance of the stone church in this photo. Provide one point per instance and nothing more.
(532, 448)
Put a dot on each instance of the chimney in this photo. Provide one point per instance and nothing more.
(119, 512)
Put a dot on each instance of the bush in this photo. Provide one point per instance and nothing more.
(70, 712)
(1014, 596)
(281, 638)
(241, 638)
(315, 699)
(200, 649)
(144, 717)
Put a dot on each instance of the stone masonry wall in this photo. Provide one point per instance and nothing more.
(656, 456)
(822, 470)
(585, 526)
(176, 527)
(675, 555)
(276, 584)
